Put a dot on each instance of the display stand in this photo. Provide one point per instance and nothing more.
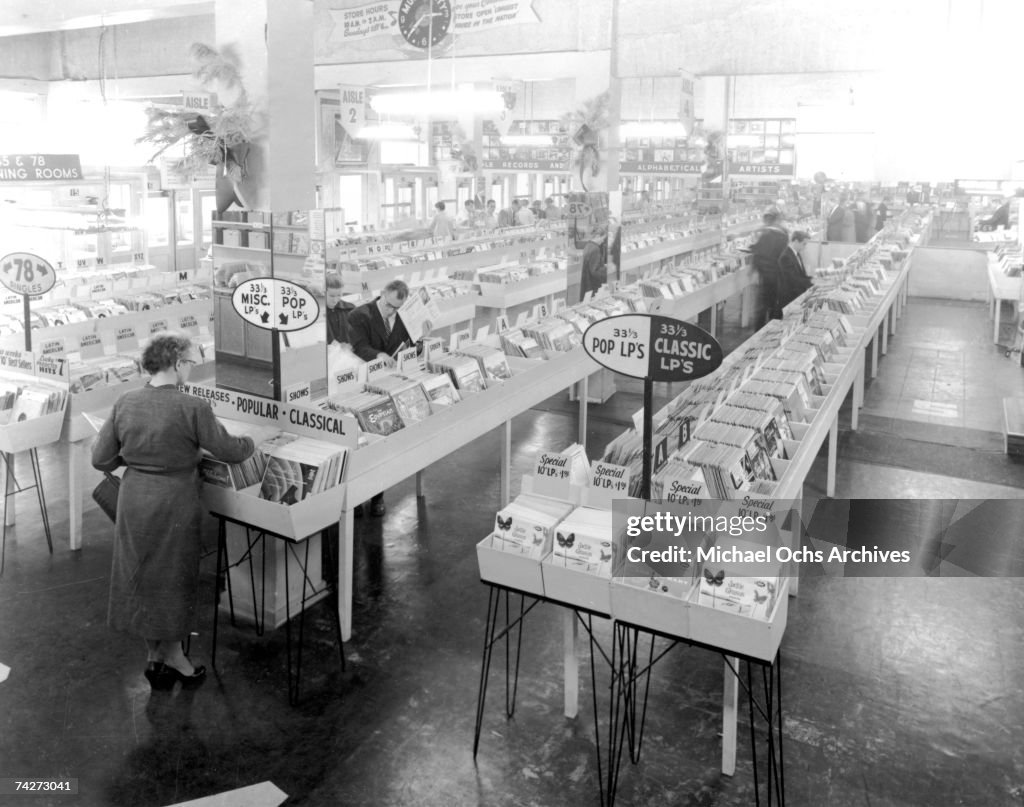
(290, 543)
(27, 435)
(633, 704)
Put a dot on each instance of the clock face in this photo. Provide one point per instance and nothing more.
(424, 23)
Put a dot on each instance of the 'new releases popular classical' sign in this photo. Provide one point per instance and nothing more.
(654, 347)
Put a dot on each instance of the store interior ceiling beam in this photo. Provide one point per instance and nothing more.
(32, 16)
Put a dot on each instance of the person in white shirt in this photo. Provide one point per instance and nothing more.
(524, 216)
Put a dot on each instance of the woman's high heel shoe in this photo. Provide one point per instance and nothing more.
(159, 675)
(188, 681)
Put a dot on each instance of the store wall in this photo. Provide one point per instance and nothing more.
(562, 25)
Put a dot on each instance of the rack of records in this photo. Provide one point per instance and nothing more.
(33, 397)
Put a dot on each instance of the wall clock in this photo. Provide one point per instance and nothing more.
(424, 23)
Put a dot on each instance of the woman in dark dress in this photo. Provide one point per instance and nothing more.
(159, 432)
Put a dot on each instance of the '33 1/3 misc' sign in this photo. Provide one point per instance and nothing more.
(654, 347)
(270, 303)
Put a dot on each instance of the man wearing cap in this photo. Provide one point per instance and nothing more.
(772, 239)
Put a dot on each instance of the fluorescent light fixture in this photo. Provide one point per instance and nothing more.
(387, 131)
(653, 128)
(438, 102)
(527, 140)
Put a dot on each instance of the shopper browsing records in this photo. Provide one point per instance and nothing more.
(538, 212)
(469, 215)
(507, 216)
(771, 241)
(863, 220)
(158, 433)
(793, 277)
(336, 311)
(594, 272)
(524, 216)
(379, 333)
(1000, 218)
(441, 225)
(882, 213)
(489, 218)
(552, 212)
(836, 224)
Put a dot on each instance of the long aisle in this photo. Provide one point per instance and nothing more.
(889, 684)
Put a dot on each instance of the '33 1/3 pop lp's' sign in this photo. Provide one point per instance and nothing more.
(654, 347)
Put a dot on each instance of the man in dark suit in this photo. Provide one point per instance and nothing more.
(834, 220)
(377, 332)
(765, 252)
(793, 277)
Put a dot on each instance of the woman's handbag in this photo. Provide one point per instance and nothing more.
(105, 494)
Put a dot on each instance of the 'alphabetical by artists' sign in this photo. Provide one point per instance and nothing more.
(272, 303)
(25, 273)
(654, 347)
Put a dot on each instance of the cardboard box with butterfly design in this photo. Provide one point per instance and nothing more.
(654, 590)
(523, 534)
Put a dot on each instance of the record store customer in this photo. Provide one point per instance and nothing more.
(158, 433)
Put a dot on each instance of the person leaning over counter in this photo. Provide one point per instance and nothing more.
(377, 332)
(159, 433)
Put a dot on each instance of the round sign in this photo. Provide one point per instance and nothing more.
(654, 347)
(270, 303)
(25, 273)
(578, 210)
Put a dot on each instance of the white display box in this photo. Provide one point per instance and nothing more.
(28, 434)
(293, 521)
(575, 588)
(651, 609)
(509, 569)
(745, 636)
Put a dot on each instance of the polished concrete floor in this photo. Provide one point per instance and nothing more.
(901, 692)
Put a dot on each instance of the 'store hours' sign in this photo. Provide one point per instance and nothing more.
(653, 347)
(270, 303)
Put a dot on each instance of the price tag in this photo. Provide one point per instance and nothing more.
(684, 490)
(611, 478)
(138, 257)
(457, 339)
(552, 466)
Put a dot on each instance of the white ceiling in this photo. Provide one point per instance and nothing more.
(35, 16)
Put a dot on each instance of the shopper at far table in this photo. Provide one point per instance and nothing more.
(793, 277)
(863, 219)
(470, 214)
(537, 210)
(882, 213)
(507, 215)
(441, 225)
(772, 239)
(336, 310)
(552, 212)
(378, 333)
(159, 434)
(524, 216)
(594, 271)
(489, 218)
(999, 218)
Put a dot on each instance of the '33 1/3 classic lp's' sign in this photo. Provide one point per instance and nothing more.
(654, 347)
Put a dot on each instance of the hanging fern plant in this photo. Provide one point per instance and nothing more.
(221, 138)
(587, 127)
